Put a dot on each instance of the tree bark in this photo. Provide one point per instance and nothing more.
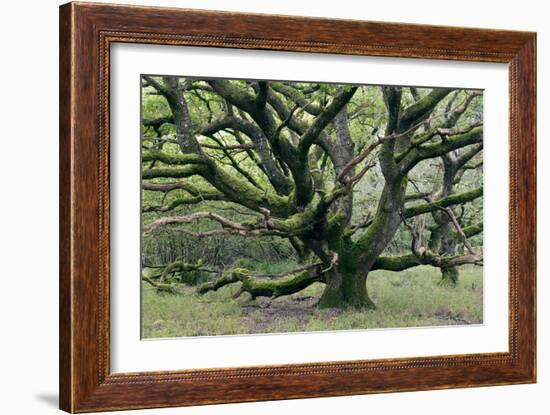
(346, 289)
(449, 276)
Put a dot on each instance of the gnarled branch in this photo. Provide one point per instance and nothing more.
(455, 199)
(272, 286)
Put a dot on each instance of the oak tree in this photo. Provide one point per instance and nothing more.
(337, 171)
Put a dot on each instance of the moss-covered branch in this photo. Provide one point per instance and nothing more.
(233, 94)
(176, 159)
(176, 173)
(468, 155)
(163, 281)
(423, 107)
(181, 266)
(325, 117)
(272, 286)
(473, 230)
(156, 123)
(298, 224)
(277, 178)
(403, 262)
(281, 147)
(234, 188)
(297, 97)
(414, 155)
(452, 200)
(452, 116)
(224, 222)
(181, 201)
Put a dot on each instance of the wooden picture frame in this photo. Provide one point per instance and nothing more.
(86, 33)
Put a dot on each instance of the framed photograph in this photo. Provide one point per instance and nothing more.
(260, 207)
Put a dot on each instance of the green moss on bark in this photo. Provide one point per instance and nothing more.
(346, 290)
(449, 277)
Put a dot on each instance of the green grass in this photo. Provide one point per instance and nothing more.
(410, 298)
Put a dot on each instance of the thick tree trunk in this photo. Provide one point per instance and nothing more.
(449, 276)
(346, 290)
(447, 246)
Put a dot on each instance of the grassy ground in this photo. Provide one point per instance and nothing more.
(407, 299)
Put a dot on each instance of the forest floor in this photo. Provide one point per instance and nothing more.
(410, 298)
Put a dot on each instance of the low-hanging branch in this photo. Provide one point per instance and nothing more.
(181, 201)
(420, 255)
(264, 224)
(403, 262)
(176, 220)
(160, 280)
(181, 266)
(272, 286)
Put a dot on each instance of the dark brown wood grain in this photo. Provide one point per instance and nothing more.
(65, 137)
(86, 33)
